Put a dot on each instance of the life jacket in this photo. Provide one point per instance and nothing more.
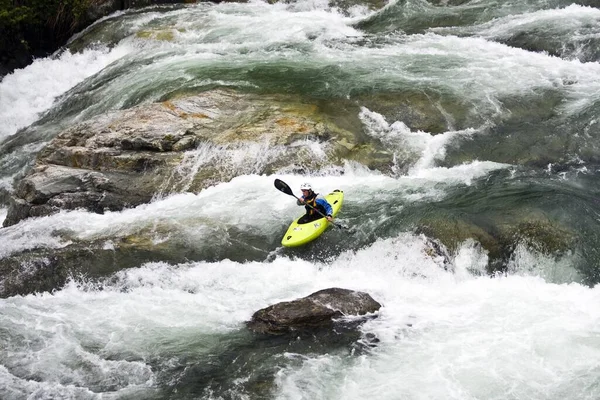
(312, 201)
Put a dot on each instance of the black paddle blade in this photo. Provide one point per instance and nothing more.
(282, 186)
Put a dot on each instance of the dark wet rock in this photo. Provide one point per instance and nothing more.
(96, 260)
(46, 270)
(38, 272)
(315, 311)
(540, 233)
(439, 253)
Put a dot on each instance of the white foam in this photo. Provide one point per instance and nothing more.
(573, 21)
(470, 328)
(26, 93)
(474, 339)
(429, 148)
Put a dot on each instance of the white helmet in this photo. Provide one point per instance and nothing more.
(305, 186)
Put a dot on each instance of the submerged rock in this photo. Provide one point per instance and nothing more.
(499, 235)
(315, 311)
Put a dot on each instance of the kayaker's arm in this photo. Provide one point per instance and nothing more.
(327, 207)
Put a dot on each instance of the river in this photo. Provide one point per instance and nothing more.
(518, 83)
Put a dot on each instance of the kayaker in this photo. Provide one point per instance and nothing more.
(311, 201)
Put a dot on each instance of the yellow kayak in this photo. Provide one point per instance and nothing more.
(299, 234)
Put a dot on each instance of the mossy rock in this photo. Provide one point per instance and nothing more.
(452, 232)
(163, 35)
(540, 233)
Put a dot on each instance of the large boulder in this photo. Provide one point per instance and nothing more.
(315, 311)
(128, 157)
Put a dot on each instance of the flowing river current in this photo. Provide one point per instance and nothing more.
(519, 84)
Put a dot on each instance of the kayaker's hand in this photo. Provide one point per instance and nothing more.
(329, 218)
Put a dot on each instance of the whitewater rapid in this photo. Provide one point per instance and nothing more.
(447, 328)
(439, 333)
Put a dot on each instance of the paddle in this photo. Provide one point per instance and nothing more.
(283, 187)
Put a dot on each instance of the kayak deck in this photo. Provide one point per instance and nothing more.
(299, 234)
